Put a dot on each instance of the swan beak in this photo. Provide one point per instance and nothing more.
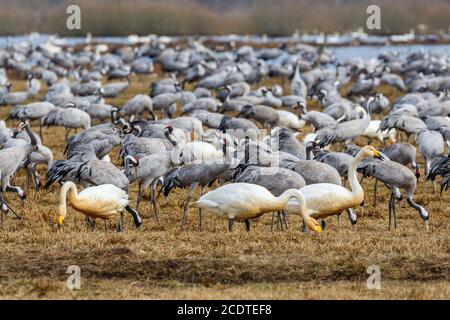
(318, 228)
(60, 220)
(378, 155)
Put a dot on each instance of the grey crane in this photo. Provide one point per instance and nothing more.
(298, 85)
(441, 167)
(319, 119)
(239, 128)
(283, 139)
(166, 102)
(137, 106)
(395, 176)
(140, 147)
(345, 131)
(266, 116)
(405, 154)
(10, 160)
(338, 160)
(85, 167)
(209, 119)
(431, 146)
(148, 170)
(114, 89)
(98, 110)
(193, 175)
(32, 111)
(102, 137)
(69, 118)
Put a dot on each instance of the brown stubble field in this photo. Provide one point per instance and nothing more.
(159, 261)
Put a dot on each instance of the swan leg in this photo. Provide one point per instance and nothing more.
(247, 225)
(120, 224)
(284, 218)
(230, 225)
(278, 220)
(271, 224)
(304, 228)
(186, 204)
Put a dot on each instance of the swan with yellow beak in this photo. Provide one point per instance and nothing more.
(104, 202)
(245, 201)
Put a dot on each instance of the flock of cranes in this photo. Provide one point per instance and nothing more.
(236, 140)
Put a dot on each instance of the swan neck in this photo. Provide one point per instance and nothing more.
(69, 189)
(352, 174)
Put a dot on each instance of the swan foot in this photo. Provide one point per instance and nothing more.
(230, 225)
(247, 225)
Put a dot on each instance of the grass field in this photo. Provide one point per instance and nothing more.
(159, 261)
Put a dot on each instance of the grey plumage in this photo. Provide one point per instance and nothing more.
(441, 167)
(85, 167)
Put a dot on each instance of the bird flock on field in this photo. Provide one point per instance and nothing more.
(209, 121)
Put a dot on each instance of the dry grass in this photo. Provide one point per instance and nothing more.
(159, 261)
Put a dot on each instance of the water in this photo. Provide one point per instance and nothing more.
(369, 52)
(342, 53)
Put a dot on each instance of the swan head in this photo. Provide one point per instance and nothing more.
(61, 216)
(371, 151)
(313, 224)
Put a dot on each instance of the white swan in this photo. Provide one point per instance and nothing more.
(244, 201)
(289, 120)
(104, 202)
(325, 199)
(373, 132)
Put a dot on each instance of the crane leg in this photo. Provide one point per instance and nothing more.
(339, 219)
(230, 225)
(393, 209)
(7, 206)
(200, 210)
(37, 179)
(390, 209)
(138, 201)
(136, 217)
(153, 197)
(247, 225)
(186, 205)
(40, 131)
